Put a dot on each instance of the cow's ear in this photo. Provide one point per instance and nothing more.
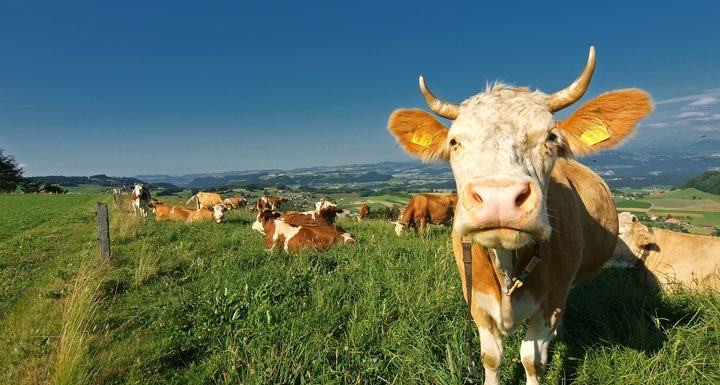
(605, 121)
(420, 134)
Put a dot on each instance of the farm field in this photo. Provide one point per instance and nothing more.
(699, 208)
(204, 303)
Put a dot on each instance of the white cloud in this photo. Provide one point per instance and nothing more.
(711, 93)
(692, 114)
(704, 101)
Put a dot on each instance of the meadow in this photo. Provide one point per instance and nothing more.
(204, 303)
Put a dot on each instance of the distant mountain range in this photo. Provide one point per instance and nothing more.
(664, 167)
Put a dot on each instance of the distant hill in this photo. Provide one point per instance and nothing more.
(633, 169)
(73, 181)
(708, 182)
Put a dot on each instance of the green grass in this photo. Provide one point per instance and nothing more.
(204, 303)
(635, 204)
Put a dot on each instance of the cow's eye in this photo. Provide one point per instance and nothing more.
(453, 142)
(551, 137)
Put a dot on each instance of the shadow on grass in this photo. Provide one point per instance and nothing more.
(618, 308)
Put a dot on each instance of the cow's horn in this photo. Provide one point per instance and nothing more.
(439, 106)
(576, 90)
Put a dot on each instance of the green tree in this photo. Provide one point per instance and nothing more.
(10, 173)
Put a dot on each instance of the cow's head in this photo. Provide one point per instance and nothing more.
(399, 227)
(218, 212)
(503, 144)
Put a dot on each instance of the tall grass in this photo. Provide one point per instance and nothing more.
(204, 303)
(72, 363)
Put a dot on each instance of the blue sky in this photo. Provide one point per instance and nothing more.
(127, 88)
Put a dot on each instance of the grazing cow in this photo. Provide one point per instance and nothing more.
(539, 221)
(426, 208)
(364, 212)
(668, 257)
(140, 199)
(206, 200)
(293, 239)
(234, 203)
(270, 202)
(166, 212)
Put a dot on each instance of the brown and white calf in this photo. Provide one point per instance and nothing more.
(293, 239)
(140, 199)
(206, 200)
(668, 258)
(522, 196)
(426, 208)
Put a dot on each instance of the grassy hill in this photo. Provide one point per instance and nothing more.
(204, 303)
(699, 208)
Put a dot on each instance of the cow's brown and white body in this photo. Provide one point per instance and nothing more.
(173, 213)
(521, 195)
(206, 200)
(668, 257)
(293, 239)
(426, 208)
(270, 202)
(363, 212)
(234, 203)
(140, 199)
(324, 216)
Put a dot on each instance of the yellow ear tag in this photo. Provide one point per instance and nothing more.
(422, 139)
(595, 135)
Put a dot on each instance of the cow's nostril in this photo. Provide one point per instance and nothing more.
(476, 197)
(522, 197)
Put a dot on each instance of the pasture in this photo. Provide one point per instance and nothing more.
(204, 303)
(696, 207)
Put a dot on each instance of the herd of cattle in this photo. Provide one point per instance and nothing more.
(529, 221)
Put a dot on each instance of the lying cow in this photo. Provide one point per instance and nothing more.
(140, 199)
(540, 221)
(426, 208)
(294, 239)
(324, 217)
(206, 200)
(270, 202)
(173, 213)
(234, 203)
(668, 257)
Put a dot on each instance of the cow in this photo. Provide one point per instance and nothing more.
(140, 199)
(294, 239)
(364, 212)
(167, 212)
(205, 200)
(234, 203)
(539, 221)
(668, 258)
(426, 208)
(324, 216)
(270, 202)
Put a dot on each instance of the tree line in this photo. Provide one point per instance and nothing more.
(11, 177)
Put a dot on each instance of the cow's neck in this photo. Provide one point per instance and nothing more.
(510, 265)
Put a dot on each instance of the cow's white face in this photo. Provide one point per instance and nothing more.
(503, 144)
(218, 212)
(137, 189)
(399, 227)
(502, 148)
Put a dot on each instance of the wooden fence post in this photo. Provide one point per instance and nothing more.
(103, 232)
(117, 198)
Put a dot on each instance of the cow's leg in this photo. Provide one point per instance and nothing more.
(423, 225)
(491, 348)
(534, 347)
